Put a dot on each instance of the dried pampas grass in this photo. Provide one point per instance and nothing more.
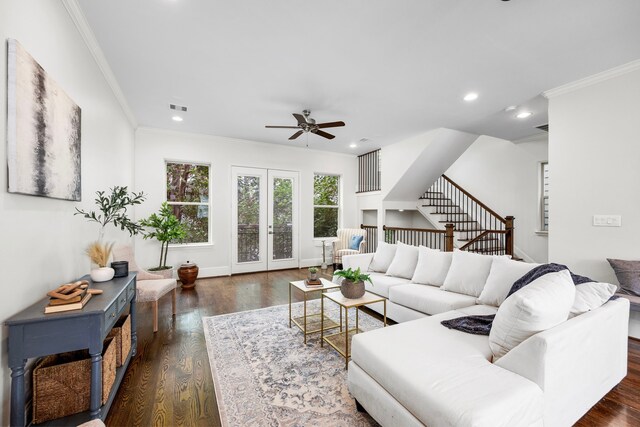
(99, 253)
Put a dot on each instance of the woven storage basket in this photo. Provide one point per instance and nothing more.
(62, 382)
(122, 333)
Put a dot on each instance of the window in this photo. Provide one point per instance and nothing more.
(188, 195)
(326, 205)
(544, 196)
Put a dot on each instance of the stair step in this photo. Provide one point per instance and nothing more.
(436, 198)
(459, 221)
(449, 213)
(485, 250)
(484, 239)
(440, 205)
(470, 230)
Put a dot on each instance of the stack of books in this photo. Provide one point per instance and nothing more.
(70, 296)
(313, 283)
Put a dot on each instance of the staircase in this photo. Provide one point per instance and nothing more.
(477, 227)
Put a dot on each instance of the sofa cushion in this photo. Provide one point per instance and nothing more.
(627, 273)
(383, 257)
(404, 261)
(478, 310)
(428, 299)
(590, 296)
(432, 266)
(380, 283)
(503, 273)
(444, 377)
(542, 304)
(468, 273)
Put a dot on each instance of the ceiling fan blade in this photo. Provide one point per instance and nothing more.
(282, 127)
(330, 125)
(295, 135)
(300, 118)
(323, 134)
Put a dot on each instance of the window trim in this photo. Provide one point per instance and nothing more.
(541, 199)
(209, 241)
(338, 206)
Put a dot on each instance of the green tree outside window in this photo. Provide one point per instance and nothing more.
(326, 205)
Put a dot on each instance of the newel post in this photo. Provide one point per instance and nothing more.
(448, 237)
(508, 243)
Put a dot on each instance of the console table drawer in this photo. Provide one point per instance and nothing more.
(110, 316)
(131, 291)
(122, 302)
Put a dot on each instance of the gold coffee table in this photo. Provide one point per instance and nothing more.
(341, 340)
(311, 323)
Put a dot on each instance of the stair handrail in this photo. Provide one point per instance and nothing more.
(447, 234)
(469, 195)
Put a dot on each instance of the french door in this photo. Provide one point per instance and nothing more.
(264, 220)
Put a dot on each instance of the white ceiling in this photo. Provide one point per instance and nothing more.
(389, 69)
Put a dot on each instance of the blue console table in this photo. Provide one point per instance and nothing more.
(35, 334)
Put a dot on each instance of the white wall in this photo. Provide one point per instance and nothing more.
(594, 152)
(154, 146)
(406, 219)
(504, 176)
(42, 242)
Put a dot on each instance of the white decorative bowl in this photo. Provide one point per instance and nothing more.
(102, 274)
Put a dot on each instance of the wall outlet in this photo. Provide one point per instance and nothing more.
(607, 221)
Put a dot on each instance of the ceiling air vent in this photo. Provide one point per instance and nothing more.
(177, 107)
(543, 127)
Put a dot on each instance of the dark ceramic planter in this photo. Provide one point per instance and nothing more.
(352, 290)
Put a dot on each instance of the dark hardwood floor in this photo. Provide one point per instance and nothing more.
(169, 381)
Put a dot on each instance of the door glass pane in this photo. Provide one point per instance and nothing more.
(282, 218)
(248, 218)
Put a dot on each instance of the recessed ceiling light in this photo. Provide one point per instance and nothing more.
(510, 108)
(472, 96)
(400, 210)
(176, 118)
(524, 114)
(353, 145)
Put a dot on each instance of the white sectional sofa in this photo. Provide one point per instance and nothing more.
(419, 372)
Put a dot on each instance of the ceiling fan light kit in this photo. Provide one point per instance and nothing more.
(306, 124)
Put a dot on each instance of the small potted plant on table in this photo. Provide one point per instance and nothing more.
(353, 284)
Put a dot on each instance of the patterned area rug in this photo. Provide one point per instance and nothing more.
(264, 374)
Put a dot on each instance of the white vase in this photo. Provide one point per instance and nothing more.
(102, 274)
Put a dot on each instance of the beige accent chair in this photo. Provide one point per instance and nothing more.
(150, 287)
(341, 246)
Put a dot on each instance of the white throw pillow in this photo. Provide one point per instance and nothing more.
(504, 272)
(437, 267)
(383, 257)
(468, 273)
(424, 266)
(404, 261)
(590, 296)
(541, 305)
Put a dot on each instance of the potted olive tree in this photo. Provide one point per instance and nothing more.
(353, 284)
(165, 228)
(112, 209)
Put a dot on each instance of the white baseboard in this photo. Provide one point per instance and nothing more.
(214, 271)
(312, 262)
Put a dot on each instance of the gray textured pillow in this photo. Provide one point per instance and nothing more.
(628, 274)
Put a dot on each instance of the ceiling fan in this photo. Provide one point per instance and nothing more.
(307, 124)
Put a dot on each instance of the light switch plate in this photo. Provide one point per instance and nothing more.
(607, 221)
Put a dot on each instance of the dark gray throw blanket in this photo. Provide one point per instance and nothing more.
(481, 325)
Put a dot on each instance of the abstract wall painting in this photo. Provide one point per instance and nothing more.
(43, 131)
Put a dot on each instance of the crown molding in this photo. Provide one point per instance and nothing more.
(80, 21)
(594, 79)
